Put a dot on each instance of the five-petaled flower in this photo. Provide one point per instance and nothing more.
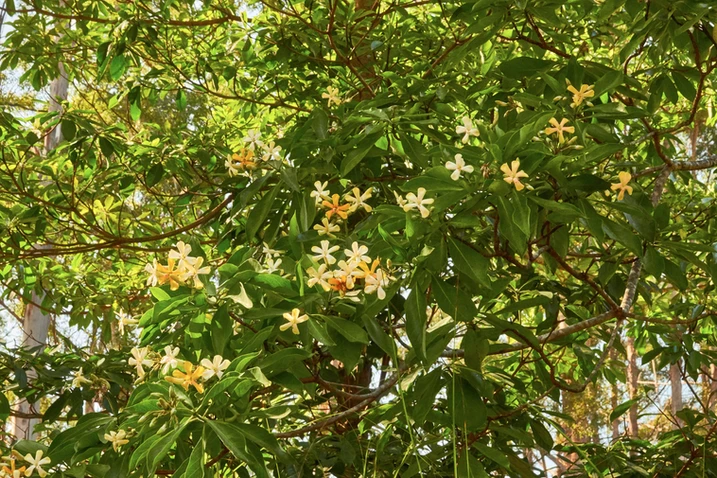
(271, 152)
(417, 201)
(169, 360)
(560, 128)
(253, 137)
(467, 130)
(190, 376)
(358, 200)
(36, 463)
(357, 253)
(624, 177)
(192, 269)
(320, 193)
(169, 274)
(213, 367)
(326, 228)
(324, 252)
(334, 207)
(139, 360)
(293, 319)
(513, 175)
(332, 96)
(320, 276)
(458, 167)
(117, 438)
(585, 91)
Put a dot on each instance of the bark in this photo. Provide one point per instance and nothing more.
(676, 397)
(632, 376)
(36, 321)
(614, 402)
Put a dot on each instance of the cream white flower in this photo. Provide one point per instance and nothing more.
(347, 273)
(36, 463)
(271, 265)
(125, 320)
(458, 167)
(357, 254)
(400, 200)
(332, 95)
(253, 137)
(326, 228)
(417, 201)
(324, 252)
(78, 379)
(320, 276)
(216, 366)
(192, 269)
(320, 194)
(139, 359)
(233, 168)
(153, 278)
(271, 152)
(293, 319)
(358, 200)
(268, 251)
(467, 130)
(117, 438)
(181, 255)
(169, 360)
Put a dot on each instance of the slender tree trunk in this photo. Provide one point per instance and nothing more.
(676, 397)
(614, 401)
(632, 376)
(712, 399)
(36, 321)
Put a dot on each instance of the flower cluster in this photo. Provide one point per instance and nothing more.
(9, 468)
(350, 275)
(181, 268)
(170, 362)
(255, 154)
(338, 208)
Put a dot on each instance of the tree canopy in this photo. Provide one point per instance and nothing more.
(364, 238)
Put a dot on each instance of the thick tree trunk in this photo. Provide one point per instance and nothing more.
(632, 376)
(712, 398)
(36, 321)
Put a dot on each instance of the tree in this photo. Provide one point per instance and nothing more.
(362, 239)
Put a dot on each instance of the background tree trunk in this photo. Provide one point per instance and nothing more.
(36, 321)
(632, 375)
(676, 386)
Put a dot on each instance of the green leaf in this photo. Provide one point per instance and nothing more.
(181, 100)
(351, 331)
(234, 439)
(259, 213)
(416, 318)
(470, 262)
(221, 329)
(118, 67)
(542, 435)
(453, 300)
(69, 129)
(195, 465)
(496, 455)
(524, 66)
(621, 409)
(154, 175)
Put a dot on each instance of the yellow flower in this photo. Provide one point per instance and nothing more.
(334, 208)
(13, 472)
(358, 200)
(169, 274)
(624, 178)
(559, 128)
(293, 319)
(513, 175)
(189, 377)
(242, 161)
(585, 91)
(326, 228)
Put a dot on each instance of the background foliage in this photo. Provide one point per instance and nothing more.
(498, 343)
